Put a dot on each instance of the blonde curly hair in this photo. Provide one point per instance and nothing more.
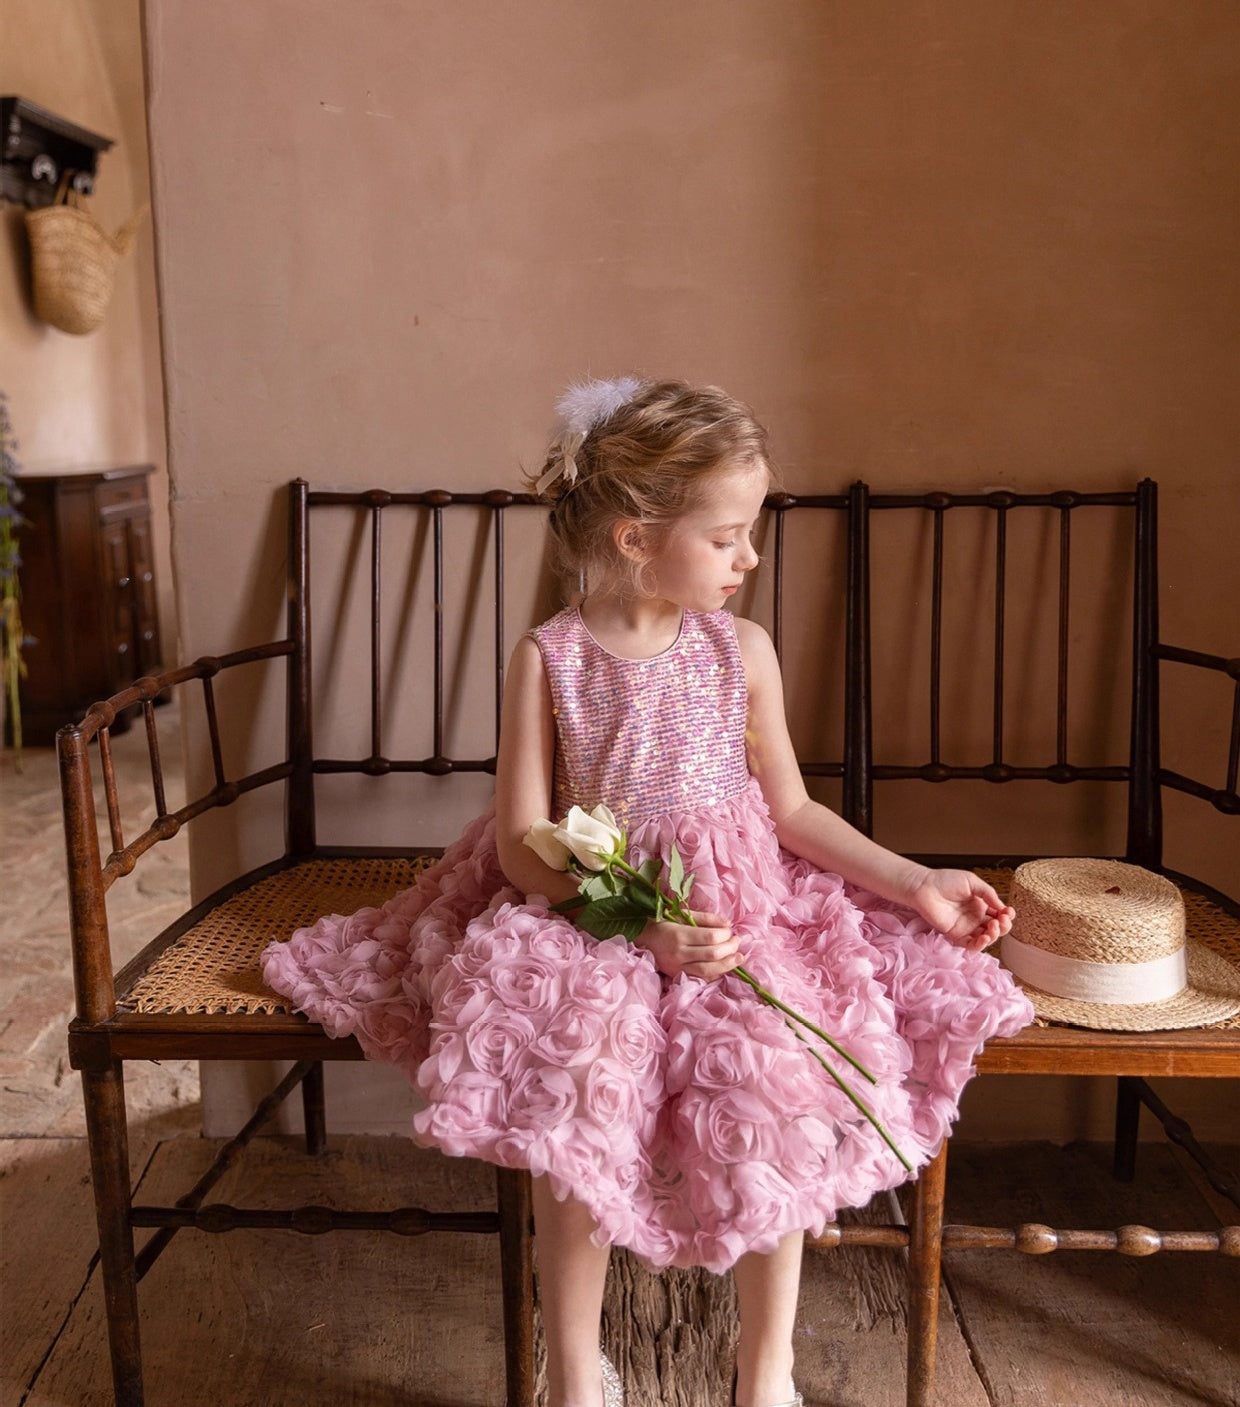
(649, 461)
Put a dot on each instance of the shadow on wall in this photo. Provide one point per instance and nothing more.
(250, 706)
(922, 710)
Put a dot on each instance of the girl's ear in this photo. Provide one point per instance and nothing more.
(630, 538)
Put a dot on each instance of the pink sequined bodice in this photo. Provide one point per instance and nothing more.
(647, 737)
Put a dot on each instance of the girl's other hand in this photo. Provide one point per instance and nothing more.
(963, 907)
(708, 951)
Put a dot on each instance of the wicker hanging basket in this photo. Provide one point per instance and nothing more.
(73, 262)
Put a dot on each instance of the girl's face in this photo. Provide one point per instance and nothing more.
(704, 557)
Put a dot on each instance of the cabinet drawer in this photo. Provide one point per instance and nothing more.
(121, 493)
(89, 581)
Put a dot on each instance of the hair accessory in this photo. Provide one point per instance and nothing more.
(1103, 944)
(583, 406)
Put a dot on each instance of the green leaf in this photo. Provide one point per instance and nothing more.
(686, 887)
(643, 901)
(598, 886)
(676, 873)
(566, 906)
(605, 918)
(650, 871)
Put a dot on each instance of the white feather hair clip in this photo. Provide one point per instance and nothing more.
(583, 405)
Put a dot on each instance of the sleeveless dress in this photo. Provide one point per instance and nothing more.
(685, 1114)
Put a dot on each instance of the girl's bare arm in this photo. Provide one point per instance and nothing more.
(956, 902)
(523, 774)
(804, 826)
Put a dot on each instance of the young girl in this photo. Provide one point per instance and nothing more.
(659, 1104)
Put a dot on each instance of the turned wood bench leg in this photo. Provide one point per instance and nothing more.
(925, 1249)
(103, 1092)
(1127, 1119)
(516, 1212)
(314, 1109)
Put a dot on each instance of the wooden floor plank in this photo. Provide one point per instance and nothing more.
(47, 1242)
(271, 1319)
(1085, 1327)
(47, 1237)
(852, 1331)
(262, 1319)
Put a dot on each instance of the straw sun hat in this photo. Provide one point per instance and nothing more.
(1102, 944)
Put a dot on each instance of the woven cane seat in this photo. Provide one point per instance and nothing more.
(212, 968)
(1206, 921)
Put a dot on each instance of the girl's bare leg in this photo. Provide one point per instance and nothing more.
(766, 1291)
(572, 1272)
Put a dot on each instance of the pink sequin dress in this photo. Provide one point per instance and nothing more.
(685, 1114)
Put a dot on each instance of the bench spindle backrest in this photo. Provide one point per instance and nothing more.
(857, 763)
(994, 646)
(430, 509)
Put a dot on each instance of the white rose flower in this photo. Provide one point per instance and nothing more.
(541, 839)
(592, 838)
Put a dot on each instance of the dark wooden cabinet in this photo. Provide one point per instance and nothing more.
(88, 592)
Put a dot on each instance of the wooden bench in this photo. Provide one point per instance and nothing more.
(194, 992)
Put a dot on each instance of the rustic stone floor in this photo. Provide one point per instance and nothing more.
(274, 1319)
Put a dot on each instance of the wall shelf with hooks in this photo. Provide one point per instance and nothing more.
(37, 147)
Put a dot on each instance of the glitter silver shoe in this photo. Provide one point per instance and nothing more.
(797, 1401)
(613, 1388)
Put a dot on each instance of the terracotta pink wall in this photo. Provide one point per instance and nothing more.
(93, 401)
(934, 244)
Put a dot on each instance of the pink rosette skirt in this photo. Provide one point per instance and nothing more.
(685, 1115)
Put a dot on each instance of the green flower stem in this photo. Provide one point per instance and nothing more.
(673, 905)
(852, 1095)
(771, 1000)
(678, 910)
(618, 862)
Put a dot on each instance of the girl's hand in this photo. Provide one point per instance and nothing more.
(963, 907)
(708, 951)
